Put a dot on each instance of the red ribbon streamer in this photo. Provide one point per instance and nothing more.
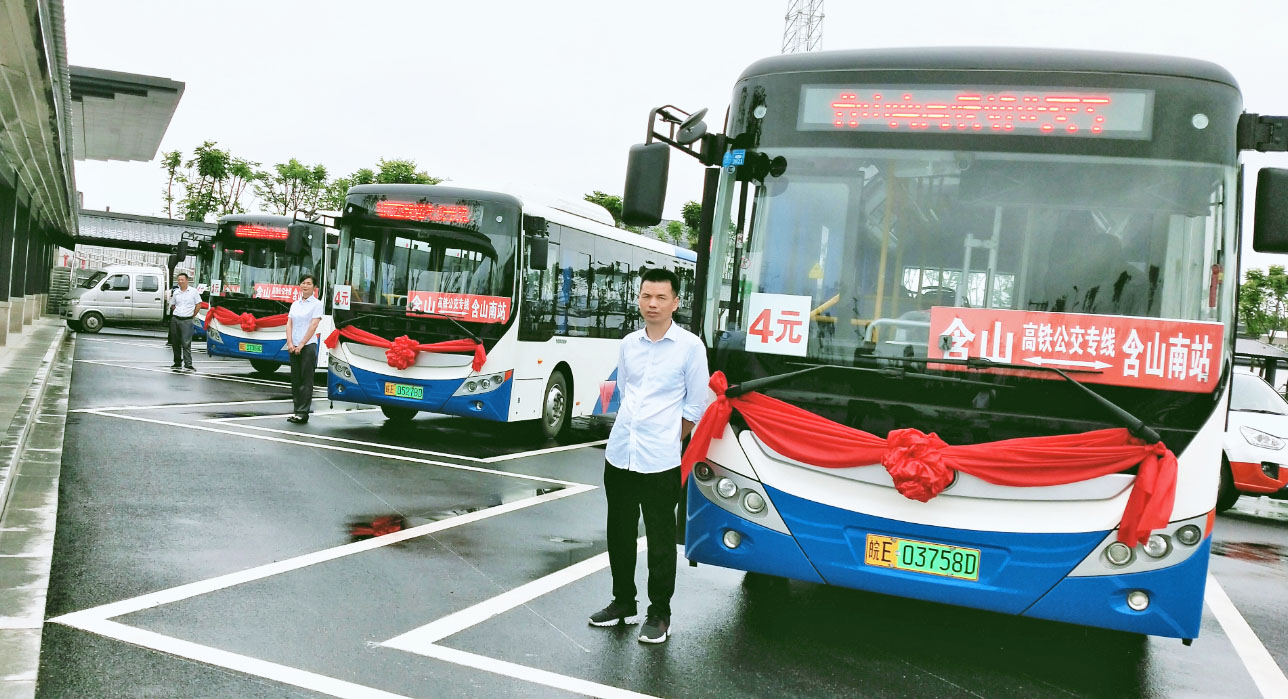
(248, 322)
(922, 465)
(401, 352)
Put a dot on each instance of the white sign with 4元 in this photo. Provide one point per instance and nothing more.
(779, 324)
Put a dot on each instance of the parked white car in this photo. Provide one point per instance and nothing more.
(118, 293)
(1255, 458)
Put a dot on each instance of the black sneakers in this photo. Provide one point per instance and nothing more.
(656, 629)
(298, 419)
(612, 615)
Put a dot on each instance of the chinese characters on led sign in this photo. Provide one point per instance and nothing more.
(425, 211)
(975, 110)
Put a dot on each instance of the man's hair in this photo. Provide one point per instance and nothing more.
(181, 274)
(658, 274)
(308, 277)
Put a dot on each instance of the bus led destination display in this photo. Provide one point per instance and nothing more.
(978, 110)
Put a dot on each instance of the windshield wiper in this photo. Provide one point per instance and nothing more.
(1134, 425)
(1257, 410)
(457, 323)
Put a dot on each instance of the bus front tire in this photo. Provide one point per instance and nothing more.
(91, 322)
(1226, 494)
(264, 367)
(555, 416)
(398, 415)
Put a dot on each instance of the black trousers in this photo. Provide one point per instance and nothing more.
(181, 339)
(655, 495)
(303, 364)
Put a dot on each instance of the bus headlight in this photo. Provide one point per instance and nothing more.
(213, 335)
(753, 502)
(703, 471)
(1118, 553)
(483, 384)
(1157, 546)
(1189, 534)
(726, 488)
(1257, 438)
(1138, 600)
(341, 368)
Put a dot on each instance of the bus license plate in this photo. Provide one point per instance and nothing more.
(402, 390)
(250, 347)
(922, 557)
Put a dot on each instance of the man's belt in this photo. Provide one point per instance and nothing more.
(182, 317)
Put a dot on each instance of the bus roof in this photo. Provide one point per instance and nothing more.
(263, 219)
(586, 216)
(999, 59)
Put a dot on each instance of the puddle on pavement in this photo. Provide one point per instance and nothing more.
(1247, 551)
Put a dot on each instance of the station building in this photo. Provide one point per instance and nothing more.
(52, 114)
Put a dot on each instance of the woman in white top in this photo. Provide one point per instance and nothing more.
(302, 342)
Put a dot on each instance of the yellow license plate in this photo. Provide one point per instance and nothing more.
(922, 557)
(250, 347)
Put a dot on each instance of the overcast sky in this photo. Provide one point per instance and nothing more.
(553, 92)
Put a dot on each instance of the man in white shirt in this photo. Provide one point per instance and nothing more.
(302, 342)
(183, 307)
(662, 375)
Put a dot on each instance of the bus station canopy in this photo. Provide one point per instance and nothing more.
(132, 232)
(120, 116)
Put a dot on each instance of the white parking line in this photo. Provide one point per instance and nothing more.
(169, 406)
(232, 661)
(424, 640)
(531, 674)
(538, 452)
(199, 374)
(174, 594)
(328, 447)
(452, 624)
(1270, 680)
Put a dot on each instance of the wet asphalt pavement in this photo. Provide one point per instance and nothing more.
(237, 552)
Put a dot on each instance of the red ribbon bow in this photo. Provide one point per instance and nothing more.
(248, 322)
(401, 352)
(922, 465)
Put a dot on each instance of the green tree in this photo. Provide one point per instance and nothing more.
(611, 202)
(691, 212)
(1263, 301)
(387, 172)
(403, 172)
(170, 162)
(291, 186)
(212, 179)
(676, 232)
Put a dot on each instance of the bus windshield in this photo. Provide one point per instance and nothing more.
(390, 264)
(257, 269)
(876, 238)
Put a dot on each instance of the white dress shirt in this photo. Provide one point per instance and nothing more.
(185, 302)
(302, 312)
(661, 382)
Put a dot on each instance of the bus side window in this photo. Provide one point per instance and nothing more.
(540, 290)
(576, 256)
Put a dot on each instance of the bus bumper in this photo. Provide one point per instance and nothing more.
(1023, 574)
(220, 344)
(373, 388)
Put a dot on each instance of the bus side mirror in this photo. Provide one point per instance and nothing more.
(1270, 221)
(534, 225)
(645, 193)
(295, 233)
(181, 251)
(538, 252)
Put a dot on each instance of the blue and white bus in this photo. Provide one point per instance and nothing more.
(1006, 212)
(256, 267)
(546, 289)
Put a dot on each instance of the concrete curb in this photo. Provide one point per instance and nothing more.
(29, 515)
(15, 439)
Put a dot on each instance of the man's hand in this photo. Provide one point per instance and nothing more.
(686, 428)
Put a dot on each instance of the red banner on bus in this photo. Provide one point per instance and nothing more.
(478, 309)
(277, 292)
(1173, 355)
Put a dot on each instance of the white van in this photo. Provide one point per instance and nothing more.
(116, 294)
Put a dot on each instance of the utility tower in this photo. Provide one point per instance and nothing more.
(804, 28)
